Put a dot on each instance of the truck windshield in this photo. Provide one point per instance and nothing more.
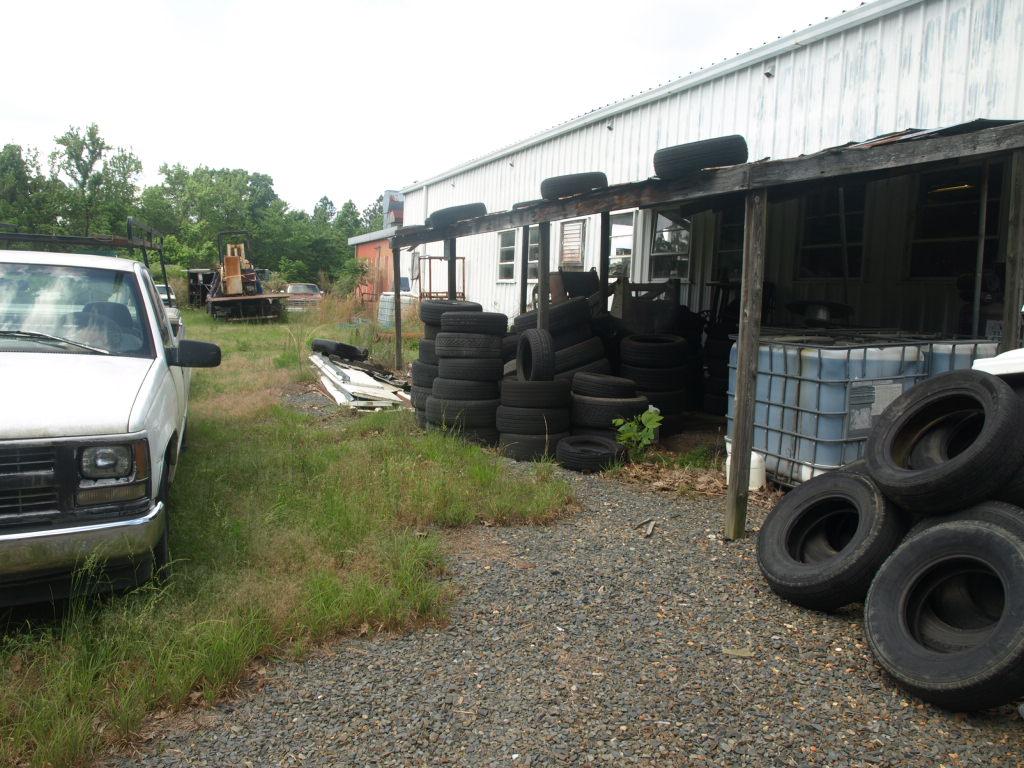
(52, 308)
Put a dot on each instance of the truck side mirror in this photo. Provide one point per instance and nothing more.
(194, 354)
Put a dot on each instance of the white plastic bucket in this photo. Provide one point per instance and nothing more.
(758, 478)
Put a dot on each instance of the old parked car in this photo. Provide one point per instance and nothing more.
(93, 408)
(302, 296)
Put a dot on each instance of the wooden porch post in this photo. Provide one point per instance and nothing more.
(606, 255)
(979, 261)
(543, 273)
(449, 254)
(751, 287)
(524, 268)
(396, 263)
(1014, 254)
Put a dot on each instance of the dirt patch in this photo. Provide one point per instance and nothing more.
(309, 398)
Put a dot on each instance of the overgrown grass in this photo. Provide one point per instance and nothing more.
(286, 530)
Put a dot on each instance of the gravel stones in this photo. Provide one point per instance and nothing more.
(584, 643)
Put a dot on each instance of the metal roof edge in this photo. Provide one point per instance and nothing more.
(369, 237)
(860, 15)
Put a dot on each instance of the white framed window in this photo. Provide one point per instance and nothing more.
(507, 255)
(533, 254)
(621, 258)
(572, 240)
(670, 248)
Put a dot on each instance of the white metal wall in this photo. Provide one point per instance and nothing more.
(902, 64)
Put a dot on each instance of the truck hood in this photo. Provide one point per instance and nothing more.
(67, 395)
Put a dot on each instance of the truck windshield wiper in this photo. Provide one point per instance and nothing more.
(47, 337)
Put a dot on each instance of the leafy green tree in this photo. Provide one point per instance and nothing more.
(373, 216)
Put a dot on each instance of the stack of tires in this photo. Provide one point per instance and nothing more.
(717, 349)
(464, 395)
(599, 399)
(533, 418)
(661, 365)
(928, 531)
(574, 345)
(425, 369)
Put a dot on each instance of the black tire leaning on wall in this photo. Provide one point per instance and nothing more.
(588, 453)
(579, 355)
(472, 345)
(470, 368)
(493, 323)
(461, 414)
(529, 447)
(686, 159)
(822, 544)
(423, 374)
(535, 358)
(464, 389)
(432, 310)
(908, 592)
(599, 412)
(603, 385)
(532, 421)
(654, 350)
(977, 471)
(535, 394)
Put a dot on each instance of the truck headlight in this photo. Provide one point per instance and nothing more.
(106, 461)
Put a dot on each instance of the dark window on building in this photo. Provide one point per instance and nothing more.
(729, 254)
(507, 255)
(821, 244)
(945, 241)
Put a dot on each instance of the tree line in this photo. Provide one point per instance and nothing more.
(91, 188)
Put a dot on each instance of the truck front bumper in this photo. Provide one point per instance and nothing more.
(26, 555)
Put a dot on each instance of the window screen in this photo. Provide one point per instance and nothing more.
(570, 251)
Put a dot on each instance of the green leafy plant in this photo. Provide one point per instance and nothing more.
(638, 433)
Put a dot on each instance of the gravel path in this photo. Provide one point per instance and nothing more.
(586, 643)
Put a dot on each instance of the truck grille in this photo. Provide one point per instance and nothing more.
(16, 460)
(28, 485)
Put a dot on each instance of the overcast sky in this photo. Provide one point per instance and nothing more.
(349, 98)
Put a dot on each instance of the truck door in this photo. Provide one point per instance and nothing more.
(178, 375)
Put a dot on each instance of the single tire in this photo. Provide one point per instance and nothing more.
(671, 403)
(571, 336)
(655, 350)
(529, 447)
(427, 353)
(339, 349)
(419, 396)
(657, 379)
(687, 159)
(535, 358)
(432, 310)
(423, 374)
(464, 389)
(492, 323)
(598, 366)
(532, 421)
(579, 355)
(907, 606)
(980, 466)
(430, 331)
(470, 368)
(602, 385)
(474, 345)
(444, 217)
(588, 453)
(509, 346)
(461, 414)
(535, 394)
(599, 412)
(822, 544)
(568, 314)
(421, 418)
(572, 184)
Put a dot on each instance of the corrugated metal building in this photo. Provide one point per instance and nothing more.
(883, 67)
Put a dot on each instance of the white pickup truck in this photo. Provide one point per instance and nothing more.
(93, 407)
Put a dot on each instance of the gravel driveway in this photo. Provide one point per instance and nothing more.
(586, 643)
